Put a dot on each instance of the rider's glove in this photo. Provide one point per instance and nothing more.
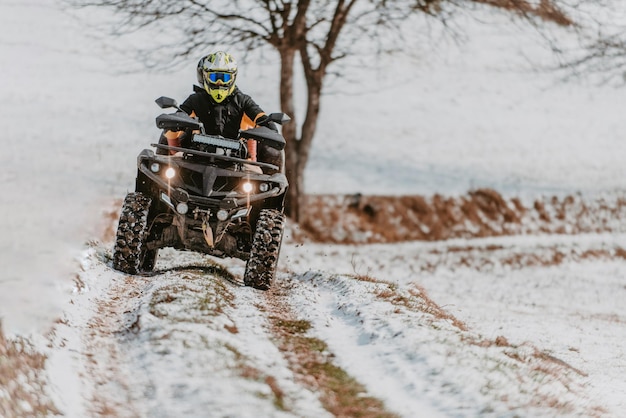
(265, 121)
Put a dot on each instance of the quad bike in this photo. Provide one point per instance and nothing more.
(207, 197)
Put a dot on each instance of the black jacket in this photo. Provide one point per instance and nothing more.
(221, 118)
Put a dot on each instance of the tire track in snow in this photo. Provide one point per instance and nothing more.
(563, 293)
(313, 363)
(190, 339)
(105, 357)
(84, 343)
(187, 340)
(413, 356)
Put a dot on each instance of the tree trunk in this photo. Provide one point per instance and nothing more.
(292, 205)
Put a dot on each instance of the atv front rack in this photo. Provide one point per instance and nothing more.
(214, 157)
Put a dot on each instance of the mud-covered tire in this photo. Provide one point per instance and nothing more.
(130, 254)
(266, 242)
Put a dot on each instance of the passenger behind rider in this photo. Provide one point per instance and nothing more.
(224, 109)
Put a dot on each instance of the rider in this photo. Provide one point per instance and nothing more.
(223, 108)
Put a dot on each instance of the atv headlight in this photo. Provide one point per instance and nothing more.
(247, 187)
(155, 167)
(170, 173)
(222, 214)
(263, 187)
(182, 208)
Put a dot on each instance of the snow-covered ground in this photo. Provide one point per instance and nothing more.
(543, 339)
(509, 339)
(513, 287)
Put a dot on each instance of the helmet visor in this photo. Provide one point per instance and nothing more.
(216, 76)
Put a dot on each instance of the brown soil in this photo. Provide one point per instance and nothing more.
(354, 219)
(21, 380)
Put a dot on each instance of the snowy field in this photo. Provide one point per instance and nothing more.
(519, 340)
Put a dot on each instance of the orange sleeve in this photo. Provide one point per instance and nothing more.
(173, 137)
(247, 123)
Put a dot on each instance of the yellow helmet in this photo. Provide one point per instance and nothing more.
(217, 73)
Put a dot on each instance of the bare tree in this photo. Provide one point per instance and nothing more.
(314, 32)
(600, 56)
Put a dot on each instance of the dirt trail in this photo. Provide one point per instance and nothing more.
(191, 338)
(159, 345)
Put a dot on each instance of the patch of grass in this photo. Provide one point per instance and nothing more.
(231, 328)
(22, 388)
(195, 298)
(215, 299)
(414, 299)
(311, 361)
(298, 326)
(248, 372)
(429, 306)
(164, 296)
(279, 395)
(343, 395)
(315, 344)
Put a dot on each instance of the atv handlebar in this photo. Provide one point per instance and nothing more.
(215, 156)
(180, 121)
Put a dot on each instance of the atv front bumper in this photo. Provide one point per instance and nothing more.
(194, 185)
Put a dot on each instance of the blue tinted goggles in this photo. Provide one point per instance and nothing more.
(219, 76)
